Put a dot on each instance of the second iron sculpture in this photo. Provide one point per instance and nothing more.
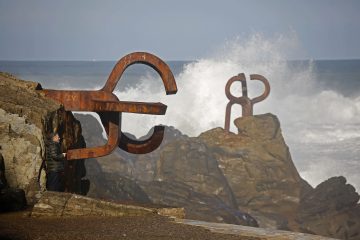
(245, 102)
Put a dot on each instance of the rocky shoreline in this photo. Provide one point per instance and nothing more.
(219, 177)
(64, 215)
(245, 178)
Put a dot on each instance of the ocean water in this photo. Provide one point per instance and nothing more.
(316, 101)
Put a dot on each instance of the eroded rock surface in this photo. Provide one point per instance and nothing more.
(26, 116)
(331, 209)
(219, 177)
(258, 166)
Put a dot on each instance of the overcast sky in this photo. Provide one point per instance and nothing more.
(174, 30)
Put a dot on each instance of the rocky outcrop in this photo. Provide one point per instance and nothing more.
(181, 173)
(113, 186)
(331, 209)
(219, 177)
(258, 166)
(140, 167)
(225, 174)
(26, 116)
(191, 162)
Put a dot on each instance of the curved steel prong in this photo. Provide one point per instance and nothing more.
(145, 58)
(143, 146)
(266, 91)
(240, 78)
(243, 100)
(110, 121)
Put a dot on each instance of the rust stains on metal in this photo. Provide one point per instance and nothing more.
(109, 108)
(245, 102)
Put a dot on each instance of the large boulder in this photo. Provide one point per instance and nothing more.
(258, 167)
(26, 117)
(331, 209)
(191, 162)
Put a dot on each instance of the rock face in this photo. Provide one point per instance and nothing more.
(26, 116)
(259, 168)
(181, 173)
(219, 177)
(331, 209)
(113, 186)
(139, 167)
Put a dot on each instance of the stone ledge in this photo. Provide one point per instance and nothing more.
(55, 204)
(245, 231)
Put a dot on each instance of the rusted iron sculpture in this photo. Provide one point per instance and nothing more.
(109, 108)
(245, 102)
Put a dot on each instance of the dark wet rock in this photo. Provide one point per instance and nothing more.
(331, 209)
(3, 181)
(112, 186)
(139, 167)
(331, 195)
(11, 199)
(199, 206)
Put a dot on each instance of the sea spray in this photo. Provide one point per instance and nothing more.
(317, 102)
(308, 113)
(200, 102)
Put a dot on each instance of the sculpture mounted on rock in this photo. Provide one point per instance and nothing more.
(109, 108)
(245, 102)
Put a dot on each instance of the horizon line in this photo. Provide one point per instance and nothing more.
(172, 60)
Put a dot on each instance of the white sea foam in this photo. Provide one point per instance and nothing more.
(200, 103)
(308, 114)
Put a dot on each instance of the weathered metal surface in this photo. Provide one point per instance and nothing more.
(109, 108)
(245, 102)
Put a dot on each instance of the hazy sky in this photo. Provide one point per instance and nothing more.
(174, 30)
